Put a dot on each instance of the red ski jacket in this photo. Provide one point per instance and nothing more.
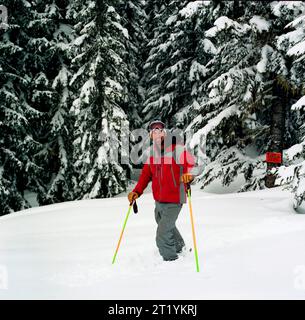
(165, 170)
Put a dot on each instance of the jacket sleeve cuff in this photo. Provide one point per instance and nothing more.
(137, 192)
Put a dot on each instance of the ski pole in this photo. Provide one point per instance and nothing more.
(188, 188)
(125, 222)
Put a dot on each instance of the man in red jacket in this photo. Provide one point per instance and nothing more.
(169, 168)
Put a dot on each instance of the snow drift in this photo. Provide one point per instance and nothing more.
(251, 245)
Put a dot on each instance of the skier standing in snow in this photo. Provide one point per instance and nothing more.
(169, 168)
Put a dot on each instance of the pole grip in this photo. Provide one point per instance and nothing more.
(135, 207)
(188, 187)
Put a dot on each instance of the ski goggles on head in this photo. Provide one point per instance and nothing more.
(157, 130)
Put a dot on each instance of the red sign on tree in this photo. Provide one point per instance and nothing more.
(274, 157)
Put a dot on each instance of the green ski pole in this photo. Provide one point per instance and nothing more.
(125, 222)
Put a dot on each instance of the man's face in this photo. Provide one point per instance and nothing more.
(157, 134)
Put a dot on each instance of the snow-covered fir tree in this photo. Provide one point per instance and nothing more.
(133, 16)
(292, 45)
(246, 84)
(175, 70)
(99, 85)
(172, 68)
(226, 109)
(51, 36)
(18, 168)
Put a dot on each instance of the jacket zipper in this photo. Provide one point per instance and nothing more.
(173, 176)
(159, 177)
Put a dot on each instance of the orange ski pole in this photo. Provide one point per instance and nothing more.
(188, 188)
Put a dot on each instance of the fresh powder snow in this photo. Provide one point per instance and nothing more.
(250, 245)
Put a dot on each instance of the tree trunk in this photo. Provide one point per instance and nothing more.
(278, 112)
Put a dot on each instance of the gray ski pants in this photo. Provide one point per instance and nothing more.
(168, 239)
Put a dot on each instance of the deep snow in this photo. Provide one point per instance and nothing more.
(251, 245)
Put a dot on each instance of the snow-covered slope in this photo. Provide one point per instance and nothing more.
(251, 245)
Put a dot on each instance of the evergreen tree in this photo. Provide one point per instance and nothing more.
(133, 19)
(18, 168)
(99, 84)
(172, 67)
(48, 68)
(292, 45)
(57, 153)
(235, 117)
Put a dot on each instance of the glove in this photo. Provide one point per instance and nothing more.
(187, 178)
(132, 196)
